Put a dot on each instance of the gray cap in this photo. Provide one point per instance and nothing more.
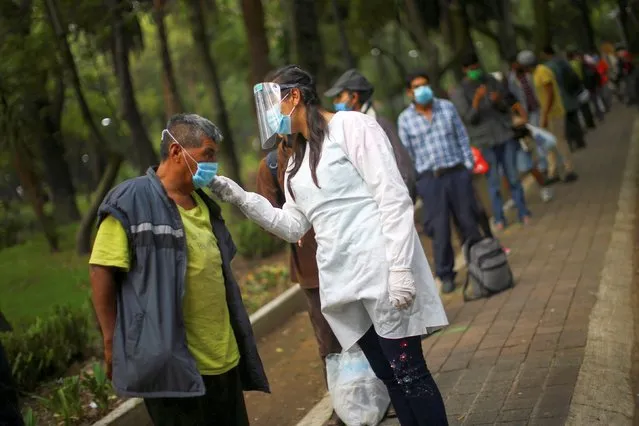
(350, 80)
(526, 58)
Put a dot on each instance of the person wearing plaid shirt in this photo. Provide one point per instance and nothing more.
(434, 136)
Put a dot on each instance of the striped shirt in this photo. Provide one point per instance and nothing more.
(437, 144)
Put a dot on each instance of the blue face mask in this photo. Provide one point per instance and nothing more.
(278, 122)
(342, 106)
(423, 95)
(205, 172)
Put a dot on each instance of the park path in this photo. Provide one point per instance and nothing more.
(514, 359)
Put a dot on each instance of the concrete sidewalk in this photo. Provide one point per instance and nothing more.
(515, 358)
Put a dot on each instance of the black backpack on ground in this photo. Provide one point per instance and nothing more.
(488, 269)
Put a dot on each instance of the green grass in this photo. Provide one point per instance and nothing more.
(34, 280)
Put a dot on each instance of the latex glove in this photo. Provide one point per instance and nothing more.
(401, 288)
(228, 191)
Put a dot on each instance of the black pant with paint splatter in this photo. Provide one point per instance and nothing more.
(400, 364)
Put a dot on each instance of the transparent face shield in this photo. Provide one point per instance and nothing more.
(270, 120)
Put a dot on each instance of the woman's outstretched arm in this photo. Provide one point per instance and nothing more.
(289, 223)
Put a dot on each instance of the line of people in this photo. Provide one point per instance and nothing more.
(340, 188)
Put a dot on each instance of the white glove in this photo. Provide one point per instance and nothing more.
(228, 191)
(401, 288)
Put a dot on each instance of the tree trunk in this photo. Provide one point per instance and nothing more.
(172, 100)
(456, 30)
(85, 230)
(141, 143)
(288, 43)
(227, 147)
(427, 48)
(542, 34)
(25, 169)
(589, 41)
(253, 14)
(56, 167)
(69, 62)
(347, 55)
(629, 34)
(507, 35)
(308, 43)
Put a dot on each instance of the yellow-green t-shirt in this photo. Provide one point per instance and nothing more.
(209, 334)
(542, 76)
(576, 67)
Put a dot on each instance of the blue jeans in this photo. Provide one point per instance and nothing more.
(504, 155)
(400, 364)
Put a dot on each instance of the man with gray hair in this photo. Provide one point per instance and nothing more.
(175, 330)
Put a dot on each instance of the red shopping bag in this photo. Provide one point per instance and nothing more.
(481, 165)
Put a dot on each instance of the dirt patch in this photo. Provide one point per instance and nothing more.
(295, 372)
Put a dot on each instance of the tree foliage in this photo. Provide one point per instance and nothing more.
(137, 62)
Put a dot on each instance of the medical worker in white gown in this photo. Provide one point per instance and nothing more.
(376, 287)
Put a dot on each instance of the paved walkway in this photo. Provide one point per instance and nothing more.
(514, 358)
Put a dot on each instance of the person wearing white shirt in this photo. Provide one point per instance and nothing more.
(376, 287)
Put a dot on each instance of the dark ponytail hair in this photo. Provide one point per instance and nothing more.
(293, 76)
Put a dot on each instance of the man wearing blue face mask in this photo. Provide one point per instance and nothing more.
(353, 92)
(175, 330)
(433, 133)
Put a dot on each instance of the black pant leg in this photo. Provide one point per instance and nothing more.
(380, 364)
(9, 405)
(437, 223)
(462, 204)
(222, 405)
(400, 364)
(574, 132)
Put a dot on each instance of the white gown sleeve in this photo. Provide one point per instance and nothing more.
(289, 223)
(369, 149)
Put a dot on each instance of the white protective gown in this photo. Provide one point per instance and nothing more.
(363, 220)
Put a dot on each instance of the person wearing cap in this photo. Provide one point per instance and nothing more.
(485, 106)
(353, 92)
(432, 132)
(174, 326)
(552, 114)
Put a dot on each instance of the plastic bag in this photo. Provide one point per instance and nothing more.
(359, 398)
(542, 137)
(481, 165)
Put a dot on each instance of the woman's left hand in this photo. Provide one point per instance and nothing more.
(401, 288)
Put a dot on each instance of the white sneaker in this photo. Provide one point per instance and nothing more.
(509, 204)
(546, 194)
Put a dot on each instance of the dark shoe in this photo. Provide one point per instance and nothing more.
(551, 181)
(334, 421)
(390, 413)
(570, 177)
(448, 285)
